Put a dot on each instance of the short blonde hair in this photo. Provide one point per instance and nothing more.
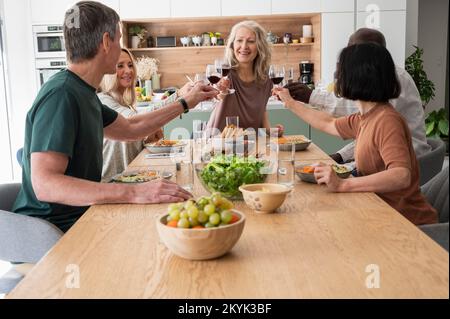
(110, 86)
(261, 63)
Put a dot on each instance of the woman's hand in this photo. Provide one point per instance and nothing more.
(283, 95)
(224, 85)
(156, 136)
(325, 174)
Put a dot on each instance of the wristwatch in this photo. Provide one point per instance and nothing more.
(184, 103)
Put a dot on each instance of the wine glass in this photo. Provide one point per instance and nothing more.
(223, 66)
(276, 74)
(213, 75)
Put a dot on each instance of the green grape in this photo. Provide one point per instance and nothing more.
(214, 219)
(192, 212)
(193, 221)
(226, 216)
(202, 202)
(202, 217)
(184, 214)
(226, 204)
(189, 203)
(216, 199)
(209, 225)
(183, 223)
(175, 215)
(210, 209)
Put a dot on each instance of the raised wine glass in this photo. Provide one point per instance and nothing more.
(276, 74)
(223, 66)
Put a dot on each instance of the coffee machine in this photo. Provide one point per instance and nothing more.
(306, 73)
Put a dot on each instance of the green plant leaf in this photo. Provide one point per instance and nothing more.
(430, 128)
(443, 127)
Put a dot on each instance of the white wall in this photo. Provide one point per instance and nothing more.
(412, 26)
(20, 62)
(432, 37)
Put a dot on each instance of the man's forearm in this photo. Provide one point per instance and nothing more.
(67, 190)
(147, 123)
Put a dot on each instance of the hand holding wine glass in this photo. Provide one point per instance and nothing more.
(223, 66)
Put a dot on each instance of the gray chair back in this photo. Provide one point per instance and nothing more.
(436, 192)
(431, 163)
(8, 195)
(23, 238)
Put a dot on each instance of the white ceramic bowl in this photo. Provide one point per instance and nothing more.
(200, 244)
(266, 197)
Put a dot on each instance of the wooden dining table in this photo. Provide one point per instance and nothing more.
(318, 244)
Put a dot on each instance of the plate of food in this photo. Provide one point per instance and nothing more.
(165, 146)
(306, 172)
(140, 176)
(300, 141)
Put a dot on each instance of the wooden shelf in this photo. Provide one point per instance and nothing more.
(213, 47)
(177, 62)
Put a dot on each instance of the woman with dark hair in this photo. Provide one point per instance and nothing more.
(385, 159)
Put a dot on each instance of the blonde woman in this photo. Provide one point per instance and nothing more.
(249, 55)
(117, 91)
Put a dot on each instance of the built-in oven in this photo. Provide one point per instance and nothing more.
(46, 68)
(48, 41)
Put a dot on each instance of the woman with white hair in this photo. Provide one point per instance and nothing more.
(249, 54)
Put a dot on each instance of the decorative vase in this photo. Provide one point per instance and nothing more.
(148, 87)
(155, 81)
(135, 42)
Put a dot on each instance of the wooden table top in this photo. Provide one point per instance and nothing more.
(318, 245)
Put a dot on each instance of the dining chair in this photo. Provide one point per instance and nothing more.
(23, 239)
(436, 192)
(431, 163)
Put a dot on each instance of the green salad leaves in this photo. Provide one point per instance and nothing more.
(225, 173)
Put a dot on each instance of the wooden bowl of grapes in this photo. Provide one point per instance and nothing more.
(201, 229)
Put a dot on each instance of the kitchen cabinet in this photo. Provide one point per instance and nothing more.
(52, 11)
(177, 61)
(195, 8)
(338, 6)
(393, 25)
(138, 9)
(245, 8)
(384, 5)
(49, 11)
(336, 29)
(297, 6)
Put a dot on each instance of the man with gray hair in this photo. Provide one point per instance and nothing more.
(408, 104)
(62, 160)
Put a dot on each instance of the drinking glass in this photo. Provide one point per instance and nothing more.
(232, 120)
(286, 170)
(212, 74)
(276, 74)
(223, 66)
(185, 174)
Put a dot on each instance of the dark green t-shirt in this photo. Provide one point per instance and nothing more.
(66, 117)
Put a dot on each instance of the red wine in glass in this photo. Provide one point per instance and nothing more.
(277, 80)
(225, 71)
(213, 79)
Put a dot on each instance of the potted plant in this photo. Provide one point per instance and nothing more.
(137, 36)
(437, 125)
(414, 66)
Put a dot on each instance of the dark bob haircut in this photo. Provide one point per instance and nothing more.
(366, 72)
